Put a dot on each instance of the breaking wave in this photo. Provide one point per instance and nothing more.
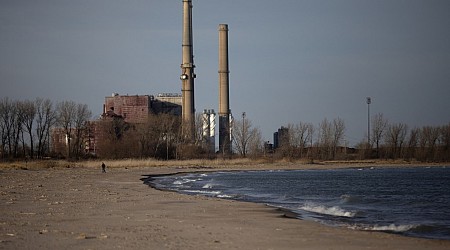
(348, 198)
(387, 228)
(208, 186)
(333, 211)
(183, 181)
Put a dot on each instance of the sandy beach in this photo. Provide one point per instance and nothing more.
(83, 208)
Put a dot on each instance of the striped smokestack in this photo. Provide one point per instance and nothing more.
(224, 97)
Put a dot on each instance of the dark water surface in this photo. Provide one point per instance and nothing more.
(409, 201)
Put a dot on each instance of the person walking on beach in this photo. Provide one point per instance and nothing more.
(103, 167)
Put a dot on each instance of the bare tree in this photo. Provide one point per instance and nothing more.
(428, 140)
(299, 137)
(325, 139)
(243, 133)
(17, 127)
(82, 115)
(28, 113)
(395, 138)
(198, 132)
(445, 143)
(66, 112)
(256, 144)
(310, 135)
(11, 126)
(170, 127)
(159, 136)
(329, 137)
(338, 134)
(412, 143)
(379, 124)
(5, 113)
(45, 119)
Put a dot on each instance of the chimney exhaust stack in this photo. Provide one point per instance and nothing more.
(187, 73)
(224, 95)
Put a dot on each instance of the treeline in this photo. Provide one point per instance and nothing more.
(41, 128)
(160, 136)
(34, 129)
(25, 127)
(398, 141)
(387, 141)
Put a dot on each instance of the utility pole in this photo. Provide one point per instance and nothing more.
(369, 101)
(244, 135)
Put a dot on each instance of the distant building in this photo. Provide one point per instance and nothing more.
(209, 130)
(281, 138)
(137, 108)
(127, 108)
(59, 141)
(168, 103)
(268, 147)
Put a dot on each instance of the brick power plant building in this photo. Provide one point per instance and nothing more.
(129, 108)
(137, 108)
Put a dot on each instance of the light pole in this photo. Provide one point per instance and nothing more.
(244, 134)
(369, 101)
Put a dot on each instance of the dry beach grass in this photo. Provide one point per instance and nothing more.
(55, 205)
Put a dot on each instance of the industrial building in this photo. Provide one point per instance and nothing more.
(131, 109)
(135, 109)
(281, 138)
(209, 130)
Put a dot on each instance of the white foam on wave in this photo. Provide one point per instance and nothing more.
(183, 181)
(333, 211)
(207, 186)
(203, 192)
(391, 228)
(225, 196)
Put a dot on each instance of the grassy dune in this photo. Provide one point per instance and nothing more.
(205, 163)
(127, 163)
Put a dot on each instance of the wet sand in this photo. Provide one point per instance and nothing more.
(82, 208)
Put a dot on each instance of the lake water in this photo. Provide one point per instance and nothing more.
(409, 201)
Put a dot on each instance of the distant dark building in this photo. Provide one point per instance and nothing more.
(281, 137)
(268, 147)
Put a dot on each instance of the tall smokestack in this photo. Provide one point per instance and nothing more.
(187, 72)
(224, 97)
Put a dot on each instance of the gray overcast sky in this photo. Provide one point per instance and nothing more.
(290, 60)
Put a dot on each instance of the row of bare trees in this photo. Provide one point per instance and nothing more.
(304, 140)
(25, 126)
(387, 141)
(397, 141)
(25, 132)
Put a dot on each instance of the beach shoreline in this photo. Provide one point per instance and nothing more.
(80, 207)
